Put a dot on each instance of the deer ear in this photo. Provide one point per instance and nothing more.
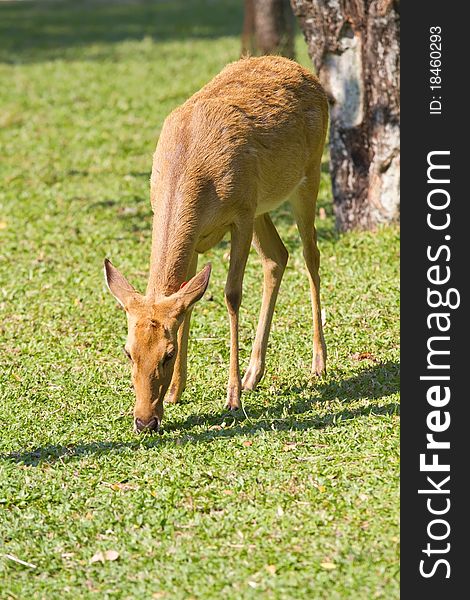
(193, 290)
(118, 285)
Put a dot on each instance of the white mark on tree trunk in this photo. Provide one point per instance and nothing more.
(343, 79)
(384, 175)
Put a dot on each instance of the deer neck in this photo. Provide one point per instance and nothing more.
(173, 244)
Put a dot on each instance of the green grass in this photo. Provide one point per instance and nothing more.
(217, 506)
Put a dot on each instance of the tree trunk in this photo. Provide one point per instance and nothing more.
(268, 28)
(354, 45)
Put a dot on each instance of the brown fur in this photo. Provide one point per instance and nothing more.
(247, 141)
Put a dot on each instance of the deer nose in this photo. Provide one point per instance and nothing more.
(141, 425)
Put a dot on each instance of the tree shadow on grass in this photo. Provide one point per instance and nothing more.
(285, 414)
(36, 31)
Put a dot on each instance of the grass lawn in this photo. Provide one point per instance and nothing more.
(297, 499)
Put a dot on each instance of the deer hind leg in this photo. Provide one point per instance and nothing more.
(304, 203)
(274, 257)
(178, 381)
(241, 235)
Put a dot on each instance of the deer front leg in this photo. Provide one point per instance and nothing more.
(240, 248)
(178, 381)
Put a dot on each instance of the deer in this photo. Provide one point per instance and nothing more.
(245, 143)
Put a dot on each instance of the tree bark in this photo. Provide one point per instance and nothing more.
(268, 28)
(354, 45)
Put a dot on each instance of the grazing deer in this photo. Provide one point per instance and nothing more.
(247, 141)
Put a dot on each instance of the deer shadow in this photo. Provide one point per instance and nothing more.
(379, 381)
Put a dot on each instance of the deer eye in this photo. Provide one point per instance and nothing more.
(127, 353)
(168, 356)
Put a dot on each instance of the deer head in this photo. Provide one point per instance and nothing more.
(152, 341)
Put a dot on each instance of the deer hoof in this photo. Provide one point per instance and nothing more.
(233, 398)
(173, 396)
(319, 366)
(251, 379)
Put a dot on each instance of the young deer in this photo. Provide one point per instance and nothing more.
(247, 141)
